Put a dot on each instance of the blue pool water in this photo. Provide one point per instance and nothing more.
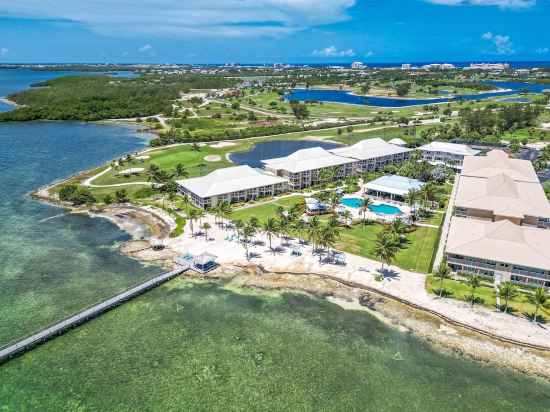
(381, 209)
(384, 209)
(354, 202)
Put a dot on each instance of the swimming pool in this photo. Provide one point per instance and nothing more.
(385, 209)
(354, 202)
(381, 208)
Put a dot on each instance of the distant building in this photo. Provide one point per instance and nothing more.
(233, 184)
(488, 66)
(448, 154)
(357, 65)
(406, 66)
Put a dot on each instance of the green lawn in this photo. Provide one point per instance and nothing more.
(416, 255)
(263, 212)
(519, 306)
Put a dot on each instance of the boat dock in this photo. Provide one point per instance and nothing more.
(84, 316)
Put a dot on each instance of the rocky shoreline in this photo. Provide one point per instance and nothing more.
(441, 335)
(145, 224)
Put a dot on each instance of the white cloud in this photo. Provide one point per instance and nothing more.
(369, 53)
(145, 48)
(503, 4)
(178, 18)
(502, 44)
(4, 51)
(542, 50)
(332, 51)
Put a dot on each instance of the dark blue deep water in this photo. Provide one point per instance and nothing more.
(277, 148)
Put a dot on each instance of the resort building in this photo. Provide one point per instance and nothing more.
(233, 184)
(448, 154)
(308, 167)
(373, 154)
(393, 187)
(500, 221)
(501, 250)
(495, 187)
(398, 142)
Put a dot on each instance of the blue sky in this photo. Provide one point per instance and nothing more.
(258, 31)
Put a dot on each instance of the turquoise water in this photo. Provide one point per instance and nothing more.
(53, 264)
(382, 208)
(354, 202)
(385, 209)
(192, 348)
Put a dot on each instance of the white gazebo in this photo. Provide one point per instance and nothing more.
(393, 187)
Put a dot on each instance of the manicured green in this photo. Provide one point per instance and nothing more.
(458, 289)
(416, 255)
(266, 210)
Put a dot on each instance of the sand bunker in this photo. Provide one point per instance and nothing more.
(221, 145)
(213, 158)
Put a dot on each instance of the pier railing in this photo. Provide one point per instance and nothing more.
(85, 315)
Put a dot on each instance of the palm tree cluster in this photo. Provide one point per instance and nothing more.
(389, 241)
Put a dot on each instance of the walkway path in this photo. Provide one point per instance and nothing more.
(84, 316)
(446, 224)
(398, 283)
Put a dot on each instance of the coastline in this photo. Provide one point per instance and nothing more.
(9, 102)
(446, 338)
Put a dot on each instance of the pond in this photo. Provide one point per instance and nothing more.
(276, 148)
(343, 96)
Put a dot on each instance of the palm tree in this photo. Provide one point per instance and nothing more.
(313, 229)
(412, 199)
(193, 215)
(474, 282)
(217, 211)
(442, 272)
(334, 201)
(428, 191)
(270, 228)
(200, 214)
(254, 222)
(365, 208)
(186, 203)
(538, 299)
(206, 226)
(300, 226)
(227, 210)
(398, 227)
(347, 217)
(328, 235)
(181, 171)
(507, 290)
(248, 232)
(238, 225)
(385, 248)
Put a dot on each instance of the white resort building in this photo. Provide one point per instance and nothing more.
(233, 184)
(393, 187)
(501, 221)
(308, 167)
(373, 154)
(448, 154)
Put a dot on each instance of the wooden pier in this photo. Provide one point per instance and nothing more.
(61, 327)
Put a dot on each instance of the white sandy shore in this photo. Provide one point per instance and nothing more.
(402, 284)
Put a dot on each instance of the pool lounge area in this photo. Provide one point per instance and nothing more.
(380, 211)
